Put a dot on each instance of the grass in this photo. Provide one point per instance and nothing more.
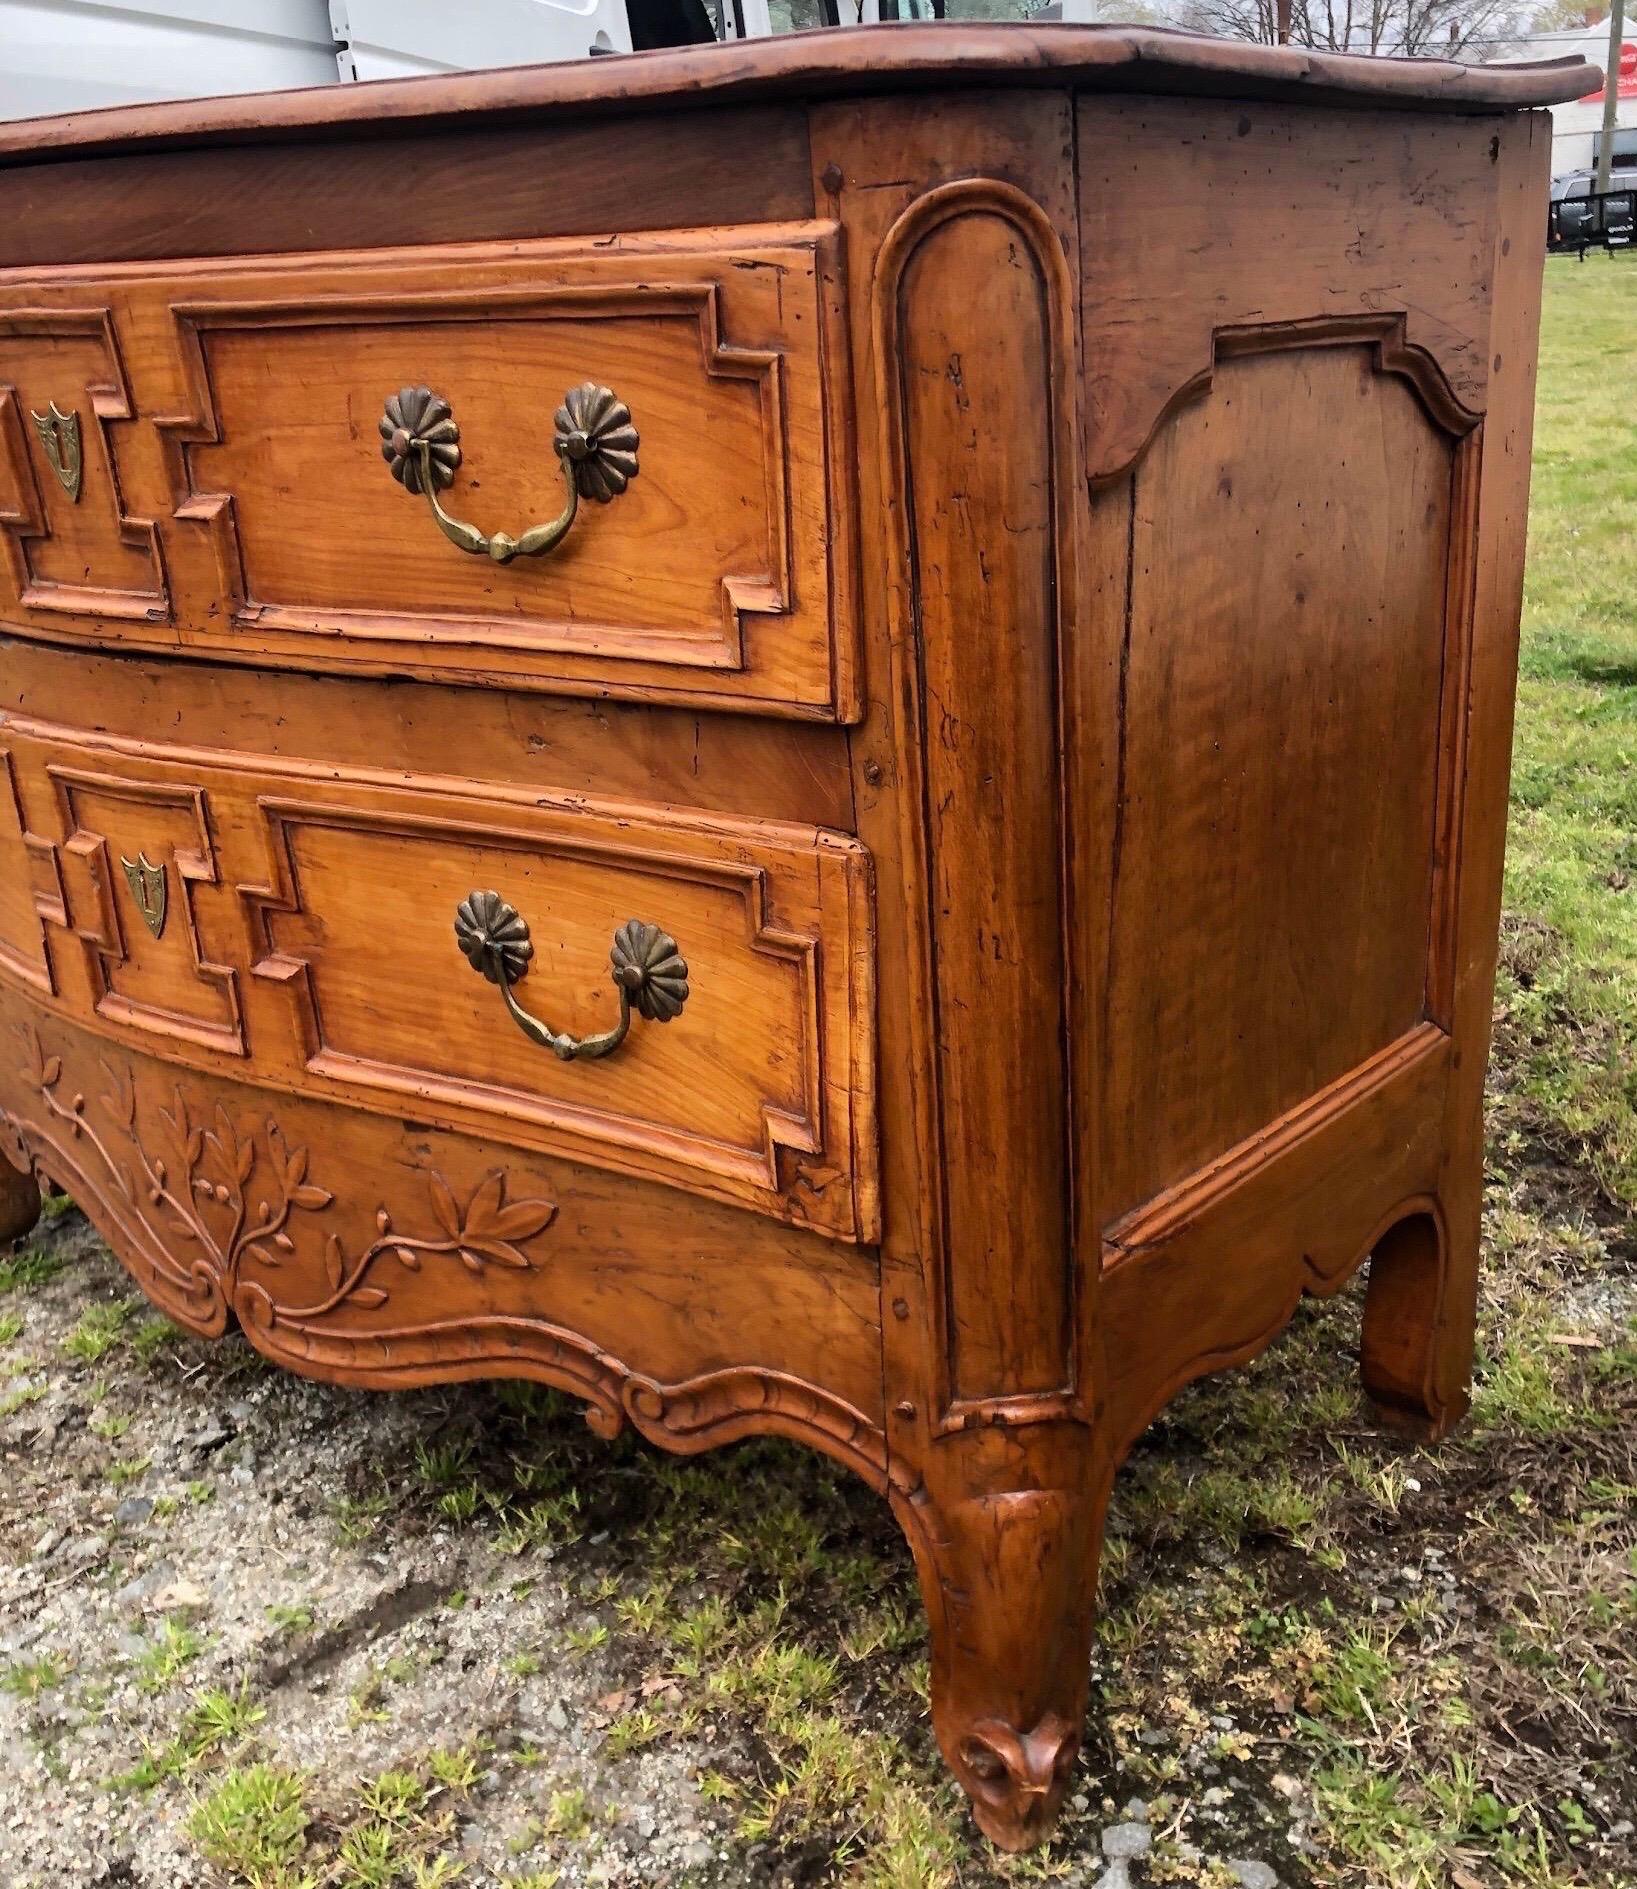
(217, 1722)
(175, 1646)
(253, 1824)
(28, 1270)
(20, 1399)
(100, 1329)
(31, 1678)
(1568, 991)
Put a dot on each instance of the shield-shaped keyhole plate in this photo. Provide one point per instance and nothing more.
(149, 889)
(60, 436)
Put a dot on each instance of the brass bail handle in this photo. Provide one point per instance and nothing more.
(592, 435)
(647, 970)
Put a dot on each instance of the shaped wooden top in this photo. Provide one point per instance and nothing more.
(830, 63)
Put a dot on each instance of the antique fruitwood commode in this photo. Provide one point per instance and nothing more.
(809, 739)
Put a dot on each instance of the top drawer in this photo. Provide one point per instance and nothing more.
(192, 458)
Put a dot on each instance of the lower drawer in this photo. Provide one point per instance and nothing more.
(700, 987)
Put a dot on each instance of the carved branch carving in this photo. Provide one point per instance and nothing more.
(239, 1198)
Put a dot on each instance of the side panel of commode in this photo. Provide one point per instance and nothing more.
(1288, 477)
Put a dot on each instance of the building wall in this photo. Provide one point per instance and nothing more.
(1574, 125)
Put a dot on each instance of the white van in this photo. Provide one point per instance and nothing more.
(61, 58)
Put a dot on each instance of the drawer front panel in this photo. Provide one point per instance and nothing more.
(295, 924)
(721, 573)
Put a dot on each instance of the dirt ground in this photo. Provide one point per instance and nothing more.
(259, 1631)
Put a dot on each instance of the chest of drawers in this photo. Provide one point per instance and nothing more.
(809, 739)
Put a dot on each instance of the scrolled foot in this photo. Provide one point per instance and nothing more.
(1016, 1780)
(1009, 1579)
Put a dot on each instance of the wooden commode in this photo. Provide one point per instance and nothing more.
(808, 738)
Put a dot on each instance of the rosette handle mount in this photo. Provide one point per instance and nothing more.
(592, 436)
(647, 970)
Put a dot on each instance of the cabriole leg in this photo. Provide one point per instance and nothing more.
(1419, 1315)
(1009, 1579)
(19, 1202)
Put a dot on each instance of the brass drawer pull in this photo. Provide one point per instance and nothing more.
(595, 442)
(649, 974)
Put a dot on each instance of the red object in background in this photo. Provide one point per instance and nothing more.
(1626, 86)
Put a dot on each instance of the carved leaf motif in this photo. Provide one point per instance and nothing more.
(33, 1056)
(445, 1206)
(119, 1104)
(522, 1219)
(179, 1123)
(501, 1254)
(485, 1204)
(216, 1158)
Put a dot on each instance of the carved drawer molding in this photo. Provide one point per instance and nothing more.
(311, 910)
(69, 548)
(723, 573)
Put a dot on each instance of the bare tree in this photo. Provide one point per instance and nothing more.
(1444, 29)
(1231, 19)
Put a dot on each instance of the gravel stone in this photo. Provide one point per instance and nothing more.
(1122, 1841)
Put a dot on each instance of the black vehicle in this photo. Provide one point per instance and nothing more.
(1578, 218)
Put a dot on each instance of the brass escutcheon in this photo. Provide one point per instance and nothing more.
(60, 436)
(149, 888)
